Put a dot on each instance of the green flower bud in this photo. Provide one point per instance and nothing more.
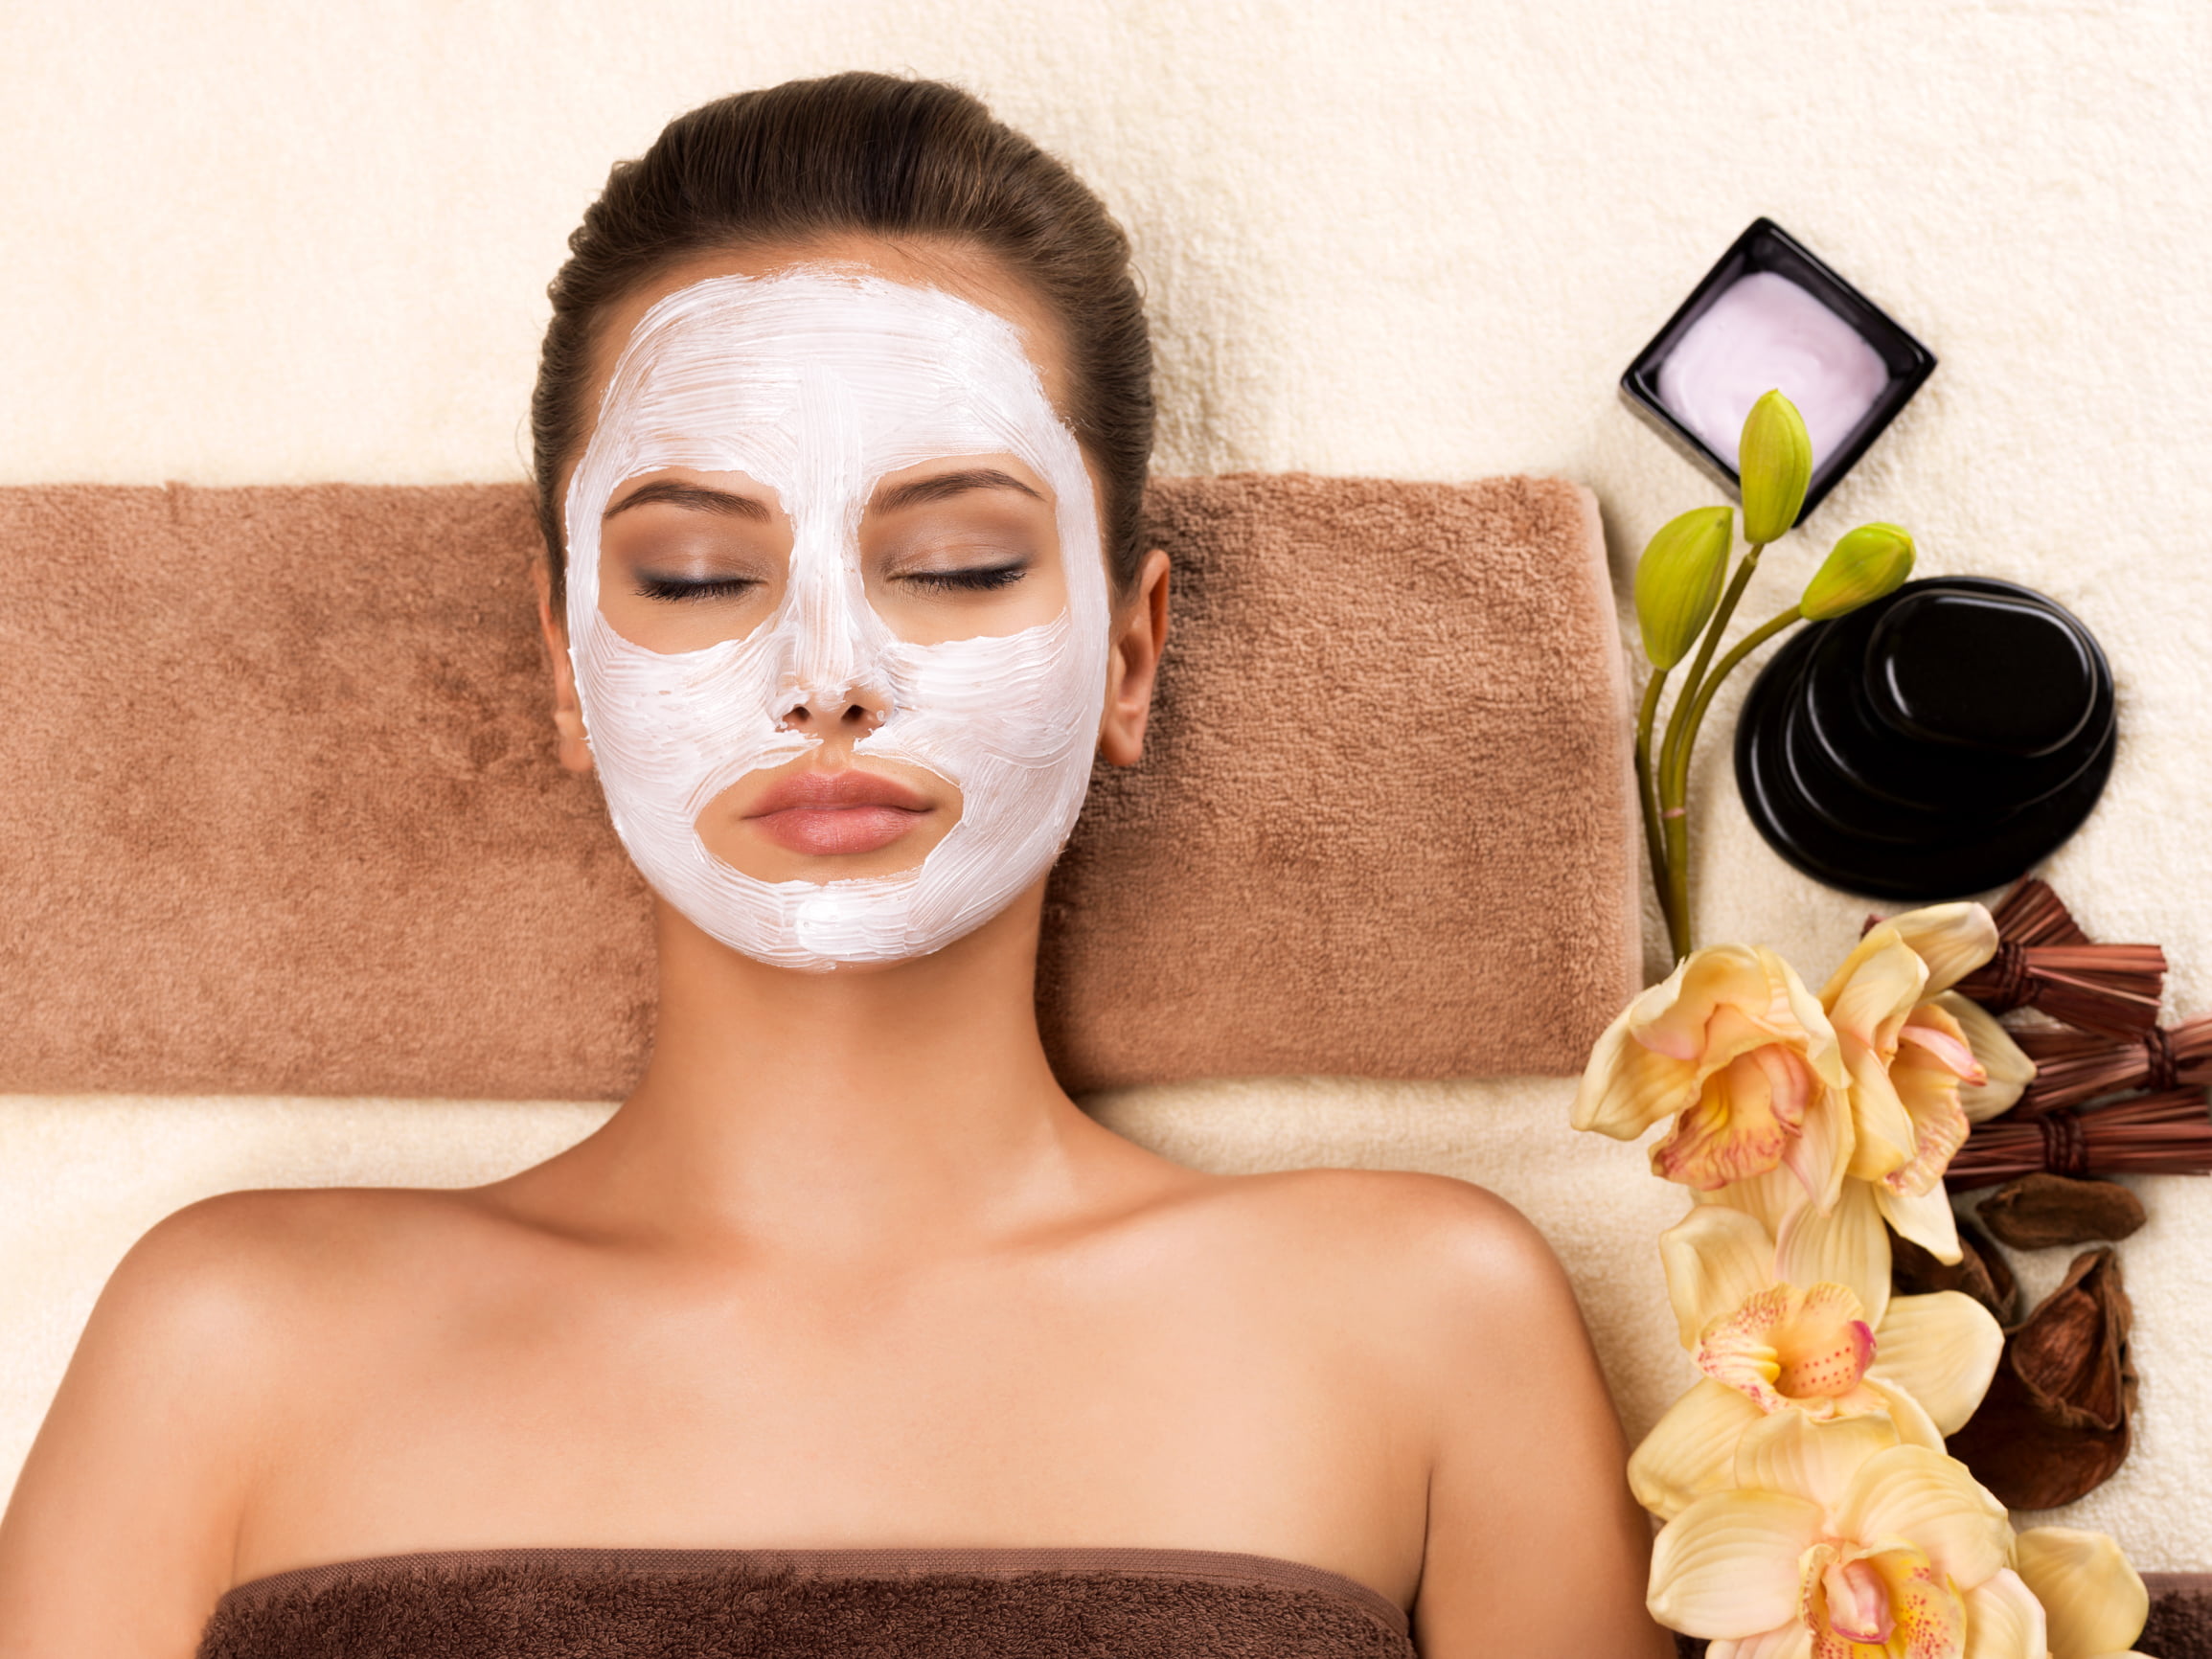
(1867, 563)
(1678, 581)
(1774, 464)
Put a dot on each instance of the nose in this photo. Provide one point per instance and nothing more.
(851, 712)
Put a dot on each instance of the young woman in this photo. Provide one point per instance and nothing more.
(849, 1331)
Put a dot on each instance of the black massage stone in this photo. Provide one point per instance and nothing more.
(1938, 742)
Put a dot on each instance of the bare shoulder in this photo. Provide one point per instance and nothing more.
(234, 1272)
(1432, 1288)
(122, 1524)
(206, 1314)
(209, 1316)
(1432, 1233)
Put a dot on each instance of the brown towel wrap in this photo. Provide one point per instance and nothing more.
(1051, 1603)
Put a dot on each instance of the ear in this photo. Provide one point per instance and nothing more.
(571, 745)
(1133, 662)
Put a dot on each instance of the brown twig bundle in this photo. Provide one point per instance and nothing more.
(2045, 961)
(2169, 1133)
(2032, 914)
(2073, 1066)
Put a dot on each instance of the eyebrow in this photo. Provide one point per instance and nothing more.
(948, 484)
(696, 496)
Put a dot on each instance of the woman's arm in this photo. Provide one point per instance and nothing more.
(121, 1533)
(1534, 1547)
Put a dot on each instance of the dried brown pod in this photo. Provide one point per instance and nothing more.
(2073, 1066)
(2055, 1422)
(2045, 961)
(2041, 1212)
(1981, 1272)
(2162, 1135)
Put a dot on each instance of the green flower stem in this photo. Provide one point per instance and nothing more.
(1676, 902)
(1714, 629)
(1674, 820)
(1742, 648)
(1675, 776)
(1647, 795)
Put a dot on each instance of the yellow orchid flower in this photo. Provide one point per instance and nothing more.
(2006, 1069)
(1734, 1048)
(1953, 939)
(2093, 1600)
(1838, 1543)
(1807, 1327)
(1915, 1055)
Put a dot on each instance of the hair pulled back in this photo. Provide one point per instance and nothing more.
(872, 154)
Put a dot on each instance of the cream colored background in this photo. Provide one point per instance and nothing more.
(260, 243)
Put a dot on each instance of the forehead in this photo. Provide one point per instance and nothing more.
(802, 348)
(942, 269)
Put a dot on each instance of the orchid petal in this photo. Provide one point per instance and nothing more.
(1926, 1615)
(1924, 1217)
(1928, 1088)
(1933, 1030)
(1953, 939)
(2004, 1063)
(1821, 1153)
(1823, 1054)
(1883, 1137)
(2094, 1600)
(1910, 1418)
(1691, 1451)
(1715, 1258)
(2004, 1621)
(1791, 1641)
(1911, 1492)
(1626, 1088)
(1671, 1018)
(1728, 1565)
(1878, 984)
(1770, 1198)
(1791, 1453)
(1942, 1350)
(1747, 1115)
(1846, 1246)
(1726, 1000)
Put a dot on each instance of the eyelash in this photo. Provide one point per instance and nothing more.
(984, 580)
(675, 590)
(678, 590)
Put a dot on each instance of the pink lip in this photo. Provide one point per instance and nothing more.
(825, 814)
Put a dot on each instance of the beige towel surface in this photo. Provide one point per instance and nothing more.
(284, 815)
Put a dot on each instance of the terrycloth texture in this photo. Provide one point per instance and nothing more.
(257, 245)
(1386, 823)
(284, 813)
(809, 1605)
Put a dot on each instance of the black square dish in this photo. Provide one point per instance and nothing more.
(1767, 247)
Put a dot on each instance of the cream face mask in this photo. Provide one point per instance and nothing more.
(817, 385)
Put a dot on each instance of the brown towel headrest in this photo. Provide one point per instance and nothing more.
(282, 815)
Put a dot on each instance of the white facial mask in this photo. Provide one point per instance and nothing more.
(817, 385)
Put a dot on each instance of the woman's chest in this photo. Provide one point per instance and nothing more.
(786, 1413)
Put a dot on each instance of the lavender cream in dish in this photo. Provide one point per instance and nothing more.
(1769, 314)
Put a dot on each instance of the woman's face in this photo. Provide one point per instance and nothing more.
(838, 609)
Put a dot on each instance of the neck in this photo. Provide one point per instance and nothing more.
(858, 1110)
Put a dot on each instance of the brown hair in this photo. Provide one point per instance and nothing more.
(870, 153)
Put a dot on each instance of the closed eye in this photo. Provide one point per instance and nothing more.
(682, 589)
(981, 579)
